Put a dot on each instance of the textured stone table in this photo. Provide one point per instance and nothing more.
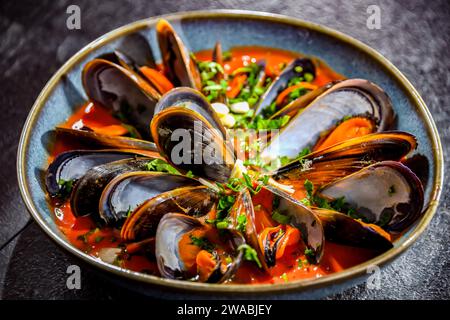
(34, 43)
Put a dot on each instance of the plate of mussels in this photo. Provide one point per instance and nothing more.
(231, 152)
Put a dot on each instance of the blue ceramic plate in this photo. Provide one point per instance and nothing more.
(200, 30)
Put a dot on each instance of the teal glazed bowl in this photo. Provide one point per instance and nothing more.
(200, 30)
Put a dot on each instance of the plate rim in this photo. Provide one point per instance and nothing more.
(328, 281)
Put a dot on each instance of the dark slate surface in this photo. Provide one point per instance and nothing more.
(34, 42)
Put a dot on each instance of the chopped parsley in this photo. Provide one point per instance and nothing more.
(213, 90)
(250, 254)
(304, 152)
(301, 263)
(85, 237)
(241, 223)
(209, 71)
(296, 93)
(310, 255)
(252, 89)
(347, 117)
(309, 187)
(226, 55)
(129, 211)
(260, 123)
(270, 110)
(189, 174)
(237, 184)
(65, 187)
(222, 224)
(280, 218)
(338, 204)
(161, 166)
(309, 77)
(202, 243)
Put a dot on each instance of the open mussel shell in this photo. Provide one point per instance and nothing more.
(217, 56)
(347, 98)
(195, 201)
(244, 206)
(326, 165)
(121, 58)
(72, 165)
(178, 65)
(343, 229)
(127, 191)
(117, 142)
(387, 193)
(193, 100)
(121, 90)
(174, 229)
(296, 68)
(191, 143)
(303, 219)
(137, 48)
(292, 108)
(88, 190)
(133, 52)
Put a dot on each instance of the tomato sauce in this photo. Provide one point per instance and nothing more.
(83, 233)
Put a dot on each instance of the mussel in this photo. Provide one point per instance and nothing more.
(243, 207)
(343, 229)
(124, 92)
(302, 218)
(386, 193)
(195, 201)
(188, 249)
(117, 142)
(297, 68)
(72, 165)
(133, 52)
(190, 142)
(88, 190)
(268, 239)
(127, 191)
(178, 65)
(343, 100)
(326, 165)
(193, 100)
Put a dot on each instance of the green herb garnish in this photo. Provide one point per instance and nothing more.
(309, 77)
(189, 174)
(310, 255)
(222, 224)
(160, 165)
(202, 243)
(226, 55)
(65, 187)
(250, 254)
(280, 218)
(242, 223)
(260, 123)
